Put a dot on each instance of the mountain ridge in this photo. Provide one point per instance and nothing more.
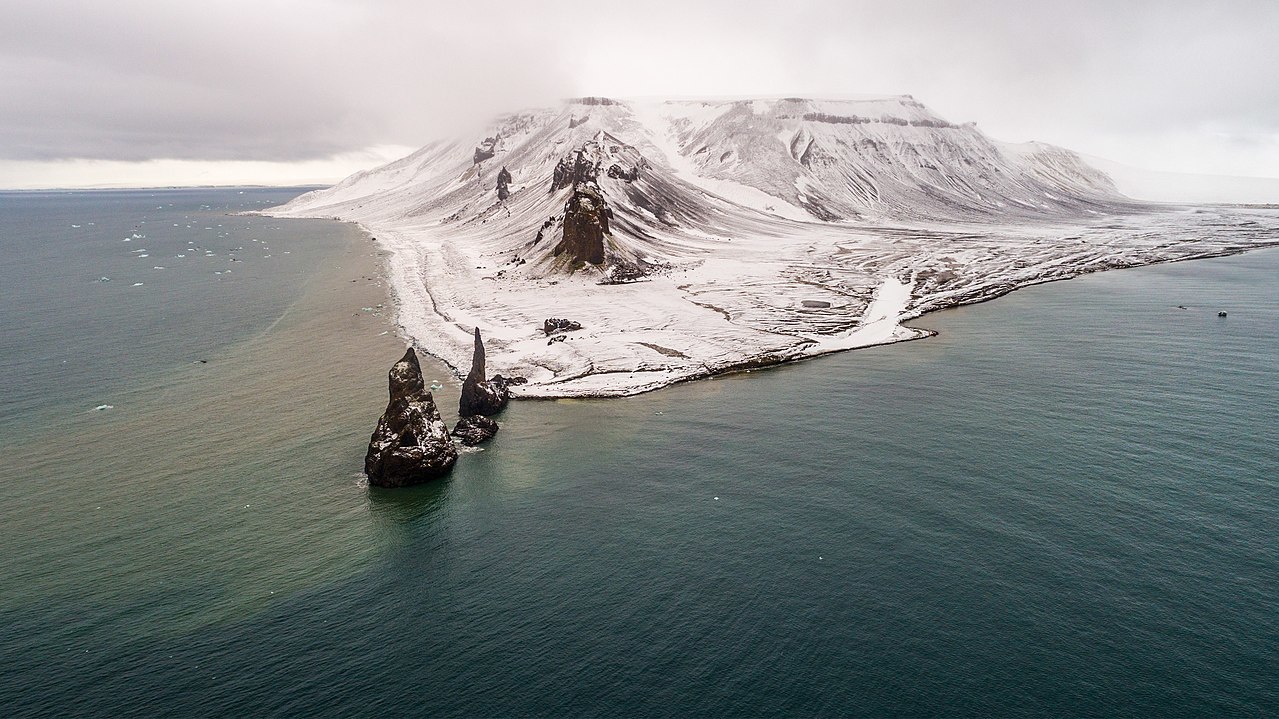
(733, 233)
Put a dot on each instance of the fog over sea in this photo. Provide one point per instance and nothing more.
(1064, 504)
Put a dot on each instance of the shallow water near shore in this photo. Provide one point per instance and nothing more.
(1063, 504)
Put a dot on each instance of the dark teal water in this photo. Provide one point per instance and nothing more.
(1065, 504)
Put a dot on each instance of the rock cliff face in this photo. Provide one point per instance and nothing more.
(480, 396)
(411, 443)
(586, 219)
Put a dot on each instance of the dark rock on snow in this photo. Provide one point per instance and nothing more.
(411, 443)
(573, 170)
(622, 272)
(617, 172)
(558, 324)
(474, 429)
(480, 396)
(486, 149)
(503, 182)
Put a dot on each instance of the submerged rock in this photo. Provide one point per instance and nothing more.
(480, 396)
(411, 443)
(474, 429)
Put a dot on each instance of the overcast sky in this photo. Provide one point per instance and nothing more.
(275, 91)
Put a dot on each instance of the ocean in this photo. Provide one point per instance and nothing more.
(1063, 504)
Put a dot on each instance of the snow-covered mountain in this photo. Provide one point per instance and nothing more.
(674, 167)
(762, 230)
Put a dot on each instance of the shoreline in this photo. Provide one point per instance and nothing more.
(396, 273)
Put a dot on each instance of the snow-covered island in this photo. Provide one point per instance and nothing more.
(690, 238)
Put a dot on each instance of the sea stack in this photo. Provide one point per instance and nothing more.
(411, 444)
(480, 396)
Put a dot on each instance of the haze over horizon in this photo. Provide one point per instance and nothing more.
(274, 92)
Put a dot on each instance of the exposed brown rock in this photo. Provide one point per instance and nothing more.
(586, 219)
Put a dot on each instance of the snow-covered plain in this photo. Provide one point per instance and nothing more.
(768, 230)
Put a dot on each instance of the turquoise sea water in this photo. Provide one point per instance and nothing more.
(1065, 504)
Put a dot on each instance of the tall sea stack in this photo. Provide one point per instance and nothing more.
(411, 443)
(480, 396)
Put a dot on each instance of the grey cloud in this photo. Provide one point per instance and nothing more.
(291, 80)
(267, 81)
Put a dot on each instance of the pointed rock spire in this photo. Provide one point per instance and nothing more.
(503, 184)
(480, 396)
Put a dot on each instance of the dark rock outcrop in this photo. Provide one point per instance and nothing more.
(486, 149)
(411, 443)
(586, 219)
(622, 272)
(576, 169)
(617, 172)
(595, 101)
(558, 324)
(503, 182)
(480, 396)
(475, 429)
